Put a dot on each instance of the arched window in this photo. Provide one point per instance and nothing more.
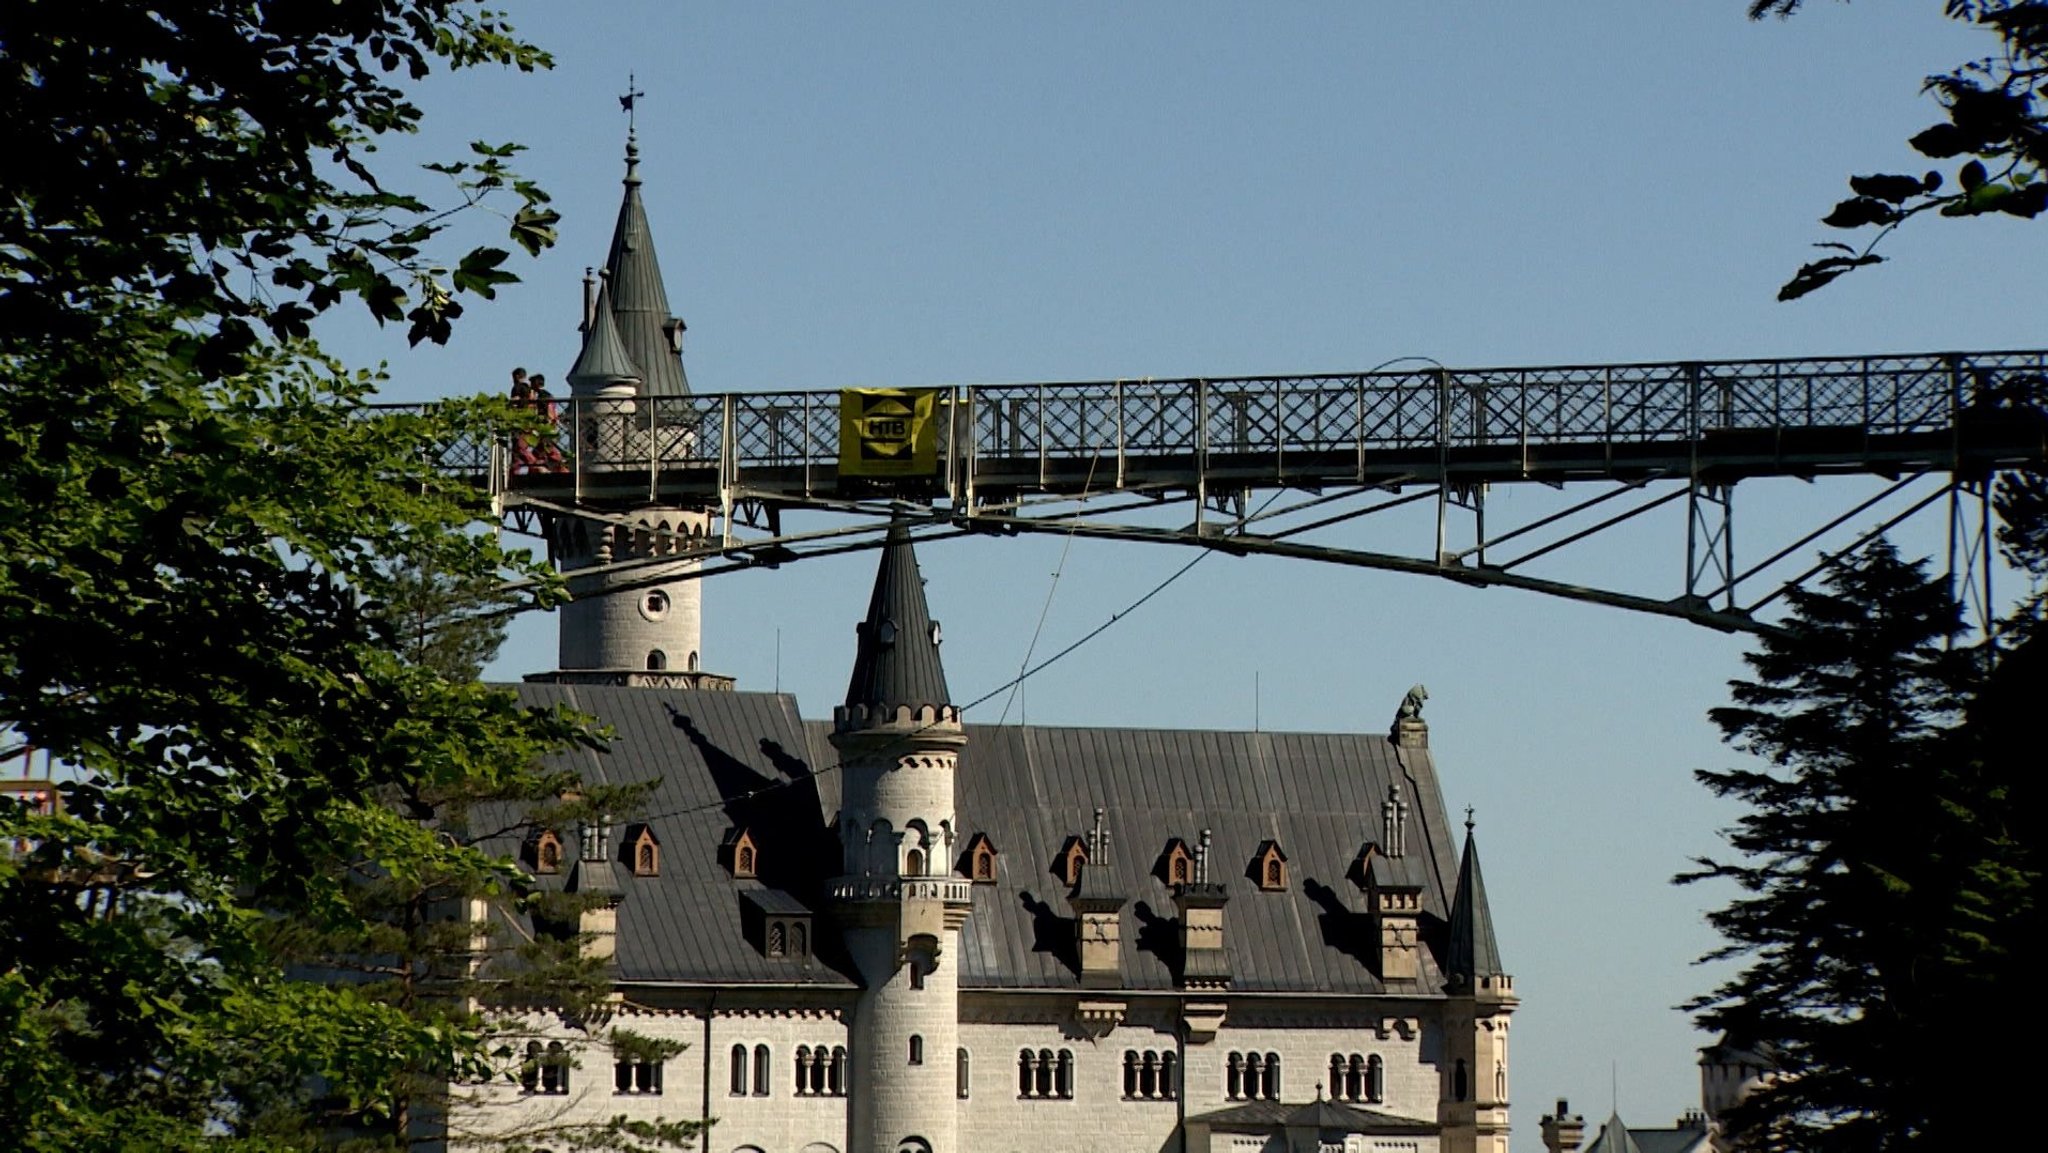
(656, 660)
(760, 1070)
(1272, 1085)
(739, 1070)
(1461, 1082)
(778, 944)
(1275, 879)
(1130, 1073)
(646, 867)
(1233, 1080)
(1063, 1084)
(1375, 1079)
(803, 1070)
(913, 863)
(799, 940)
(820, 1070)
(1026, 1062)
(1337, 1076)
(960, 1074)
(693, 660)
(1169, 1077)
(836, 1080)
(1177, 871)
(1148, 1075)
(529, 1070)
(1500, 1081)
(1044, 1072)
(1354, 1079)
(1254, 1074)
(744, 864)
(916, 1049)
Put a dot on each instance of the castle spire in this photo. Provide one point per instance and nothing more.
(650, 335)
(1474, 953)
(603, 364)
(897, 661)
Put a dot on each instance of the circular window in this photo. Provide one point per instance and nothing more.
(654, 605)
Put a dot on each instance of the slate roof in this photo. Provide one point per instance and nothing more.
(1474, 951)
(1321, 1115)
(711, 751)
(603, 361)
(896, 657)
(1615, 1137)
(728, 759)
(639, 299)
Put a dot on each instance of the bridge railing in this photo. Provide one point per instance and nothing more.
(1013, 428)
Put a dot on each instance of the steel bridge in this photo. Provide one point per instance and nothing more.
(1269, 464)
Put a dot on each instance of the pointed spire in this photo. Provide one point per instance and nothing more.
(1614, 1138)
(897, 659)
(639, 302)
(603, 364)
(1474, 954)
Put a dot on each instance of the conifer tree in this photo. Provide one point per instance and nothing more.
(1861, 867)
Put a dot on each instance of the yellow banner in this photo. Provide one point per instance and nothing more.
(888, 432)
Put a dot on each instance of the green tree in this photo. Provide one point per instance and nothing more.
(452, 625)
(1993, 132)
(1867, 869)
(202, 526)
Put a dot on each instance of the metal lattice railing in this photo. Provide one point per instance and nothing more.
(789, 441)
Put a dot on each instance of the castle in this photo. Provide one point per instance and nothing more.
(896, 932)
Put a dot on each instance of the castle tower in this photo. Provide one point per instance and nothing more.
(633, 618)
(1473, 1108)
(902, 905)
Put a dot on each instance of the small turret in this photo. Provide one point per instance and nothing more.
(1474, 1106)
(1473, 960)
(898, 679)
(603, 368)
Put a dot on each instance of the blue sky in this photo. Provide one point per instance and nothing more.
(907, 194)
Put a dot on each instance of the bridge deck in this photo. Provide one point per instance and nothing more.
(1960, 413)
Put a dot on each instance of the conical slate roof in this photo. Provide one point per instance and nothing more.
(639, 301)
(1614, 1138)
(1474, 952)
(603, 361)
(897, 659)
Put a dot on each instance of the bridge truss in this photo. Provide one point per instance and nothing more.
(1313, 466)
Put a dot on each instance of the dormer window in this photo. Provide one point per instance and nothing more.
(643, 851)
(1177, 865)
(1269, 867)
(1070, 860)
(742, 856)
(547, 852)
(981, 860)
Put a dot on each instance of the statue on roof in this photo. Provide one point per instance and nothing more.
(1411, 705)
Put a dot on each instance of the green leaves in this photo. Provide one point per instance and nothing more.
(1993, 116)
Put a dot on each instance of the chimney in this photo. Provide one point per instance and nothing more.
(1563, 1130)
(1100, 905)
(1204, 964)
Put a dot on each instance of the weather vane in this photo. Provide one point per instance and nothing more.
(633, 93)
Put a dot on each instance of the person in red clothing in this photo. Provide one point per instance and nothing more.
(549, 456)
(522, 453)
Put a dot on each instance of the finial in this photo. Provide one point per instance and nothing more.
(1468, 820)
(626, 104)
(1098, 844)
(1319, 1092)
(1202, 859)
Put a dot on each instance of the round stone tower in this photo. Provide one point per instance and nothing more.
(635, 615)
(899, 899)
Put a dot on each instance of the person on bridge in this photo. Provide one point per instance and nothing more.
(549, 456)
(522, 395)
